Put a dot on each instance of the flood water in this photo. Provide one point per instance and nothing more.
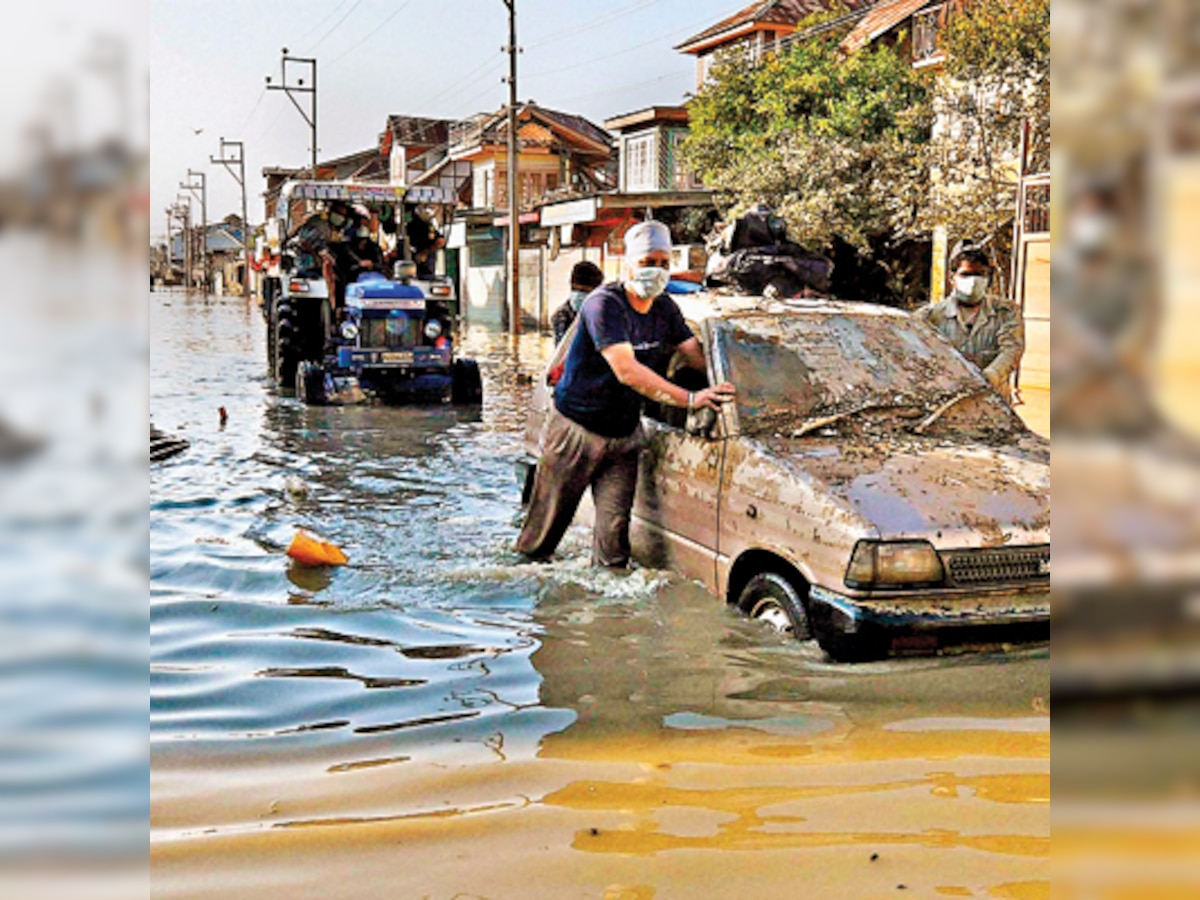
(437, 719)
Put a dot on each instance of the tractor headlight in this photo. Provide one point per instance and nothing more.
(349, 331)
(433, 329)
(880, 564)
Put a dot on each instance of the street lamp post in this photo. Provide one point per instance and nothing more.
(300, 88)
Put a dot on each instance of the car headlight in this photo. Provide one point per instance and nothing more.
(433, 329)
(882, 564)
(349, 331)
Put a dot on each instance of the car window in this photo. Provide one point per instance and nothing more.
(792, 368)
(686, 378)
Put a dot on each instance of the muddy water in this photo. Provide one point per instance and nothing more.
(438, 720)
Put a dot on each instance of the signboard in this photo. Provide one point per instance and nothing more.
(351, 192)
(570, 213)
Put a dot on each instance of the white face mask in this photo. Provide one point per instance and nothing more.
(649, 282)
(969, 289)
(1091, 231)
(576, 299)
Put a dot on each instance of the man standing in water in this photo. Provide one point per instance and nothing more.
(628, 332)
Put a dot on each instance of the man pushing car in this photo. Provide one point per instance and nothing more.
(627, 333)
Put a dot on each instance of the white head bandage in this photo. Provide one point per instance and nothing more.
(645, 238)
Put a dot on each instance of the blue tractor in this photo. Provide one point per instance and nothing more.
(394, 344)
(381, 338)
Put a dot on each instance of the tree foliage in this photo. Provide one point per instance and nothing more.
(862, 149)
(996, 75)
(833, 143)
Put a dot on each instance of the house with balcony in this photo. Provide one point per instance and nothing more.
(560, 155)
(911, 26)
(412, 145)
(758, 29)
(652, 182)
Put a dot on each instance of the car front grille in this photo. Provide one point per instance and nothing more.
(998, 565)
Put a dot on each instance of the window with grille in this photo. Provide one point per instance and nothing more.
(640, 168)
(924, 34)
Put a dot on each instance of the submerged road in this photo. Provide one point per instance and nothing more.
(438, 719)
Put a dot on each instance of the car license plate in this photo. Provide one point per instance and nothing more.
(397, 357)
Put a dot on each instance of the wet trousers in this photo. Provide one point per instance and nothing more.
(574, 459)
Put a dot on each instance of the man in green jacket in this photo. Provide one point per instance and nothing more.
(988, 331)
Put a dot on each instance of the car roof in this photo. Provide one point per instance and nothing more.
(704, 306)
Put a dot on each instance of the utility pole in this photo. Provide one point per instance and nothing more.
(299, 88)
(514, 201)
(191, 186)
(170, 210)
(239, 175)
(183, 212)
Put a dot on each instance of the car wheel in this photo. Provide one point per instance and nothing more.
(771, 597)
(286, 350)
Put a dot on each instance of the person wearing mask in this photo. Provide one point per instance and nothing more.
(987, 330)
(425, 241)
(585, 278)
(365, 255)
(627, 335)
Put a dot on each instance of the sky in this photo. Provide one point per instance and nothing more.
(48, 75)
(437, 58)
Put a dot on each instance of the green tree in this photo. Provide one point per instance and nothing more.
(996, 75)
(834, 143)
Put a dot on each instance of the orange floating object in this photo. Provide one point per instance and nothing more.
(309, 550)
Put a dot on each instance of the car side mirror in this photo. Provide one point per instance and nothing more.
(700, 422)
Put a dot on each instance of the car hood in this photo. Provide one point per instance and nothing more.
(955, 494)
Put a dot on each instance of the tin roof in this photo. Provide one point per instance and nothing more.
(787, 13)
(418, 131)
(881, 19)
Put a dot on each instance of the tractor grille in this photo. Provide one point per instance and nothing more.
(998, 565)
(398, 331)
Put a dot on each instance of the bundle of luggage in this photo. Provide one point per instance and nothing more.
(754, 256)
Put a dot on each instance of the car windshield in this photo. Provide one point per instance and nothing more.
(800, 370)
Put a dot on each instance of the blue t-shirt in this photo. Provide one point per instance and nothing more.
(589, 393)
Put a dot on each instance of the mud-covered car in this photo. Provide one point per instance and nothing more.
(868, 487)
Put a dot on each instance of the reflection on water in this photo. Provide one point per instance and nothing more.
(638, 715)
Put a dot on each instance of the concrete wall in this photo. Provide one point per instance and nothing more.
(1035, 365)
(483, 291)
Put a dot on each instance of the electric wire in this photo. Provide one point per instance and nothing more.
(483, 93)
(463, 82)
(594, 59)
(590, 24)
(336, 25)
(257, 104)
(374, 31)
(336, 9)
(619, 87)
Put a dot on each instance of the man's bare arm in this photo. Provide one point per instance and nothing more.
(653, 386)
